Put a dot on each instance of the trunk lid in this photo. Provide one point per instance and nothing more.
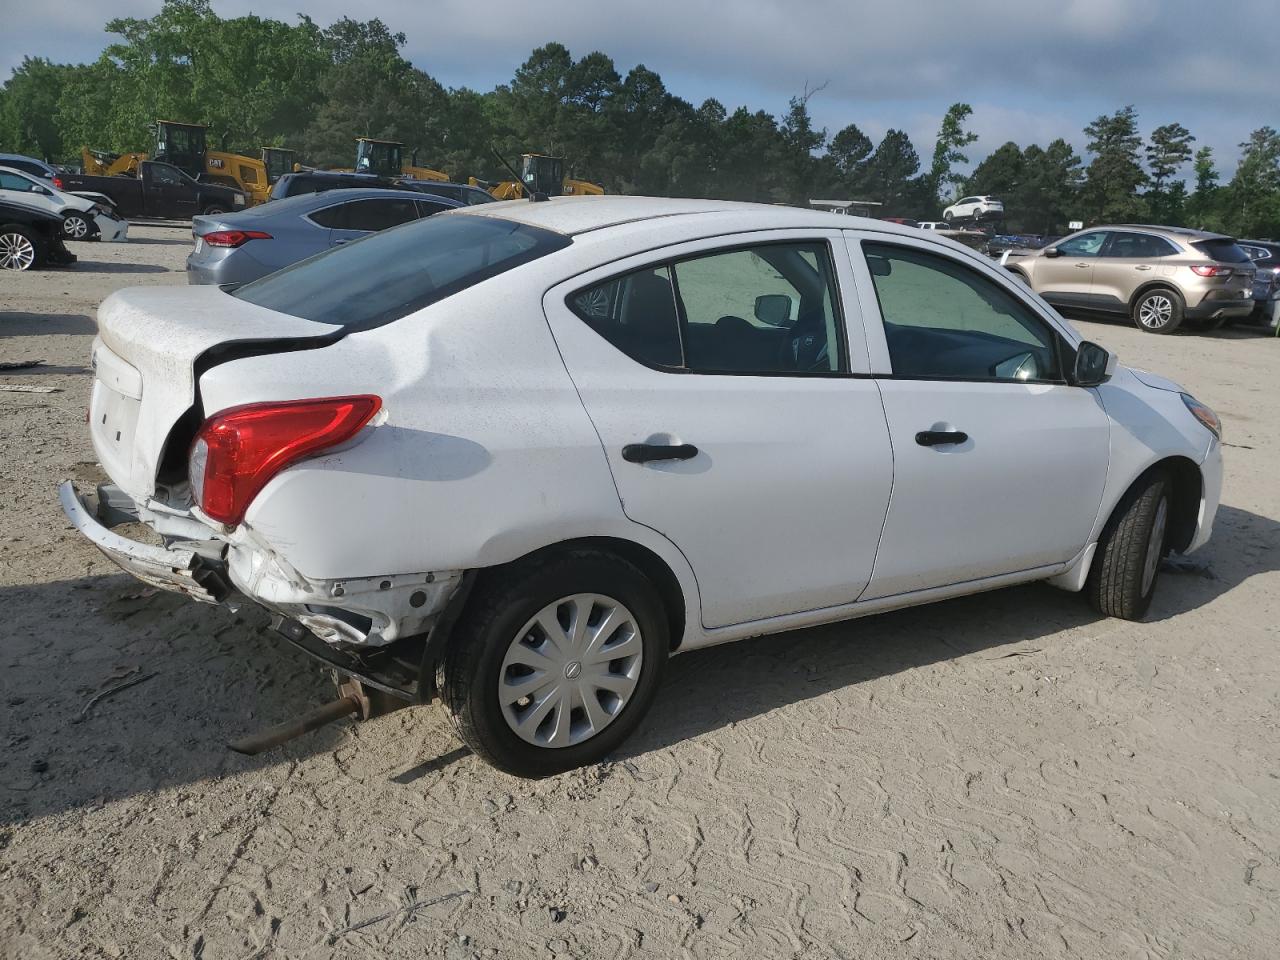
(150, 342)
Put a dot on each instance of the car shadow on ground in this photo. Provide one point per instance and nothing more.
(218, 676)
(159, 242)
(100, 266)
(46, 324)
(1233, 330)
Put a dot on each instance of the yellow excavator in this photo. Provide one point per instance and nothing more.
(185, 146)
(386, 158)
(278, 161)
(541, 174)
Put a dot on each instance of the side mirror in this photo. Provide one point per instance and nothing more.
(1052, 252)
(773, 309)
(879, 266)
(1094, 365)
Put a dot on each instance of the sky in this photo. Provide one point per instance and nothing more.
(1032, 71)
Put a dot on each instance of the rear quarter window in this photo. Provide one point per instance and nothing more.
(1223, 251)
(391, 274)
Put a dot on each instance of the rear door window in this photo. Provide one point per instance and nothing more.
(334, 217)
(374, 215)
(392, 274)
(1138, 246)
(428, 207)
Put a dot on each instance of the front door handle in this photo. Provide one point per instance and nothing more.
(646, 452)
(1084, 266)
(1144, 266)
(937, 438)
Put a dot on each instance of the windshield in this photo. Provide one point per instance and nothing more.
(391, 274)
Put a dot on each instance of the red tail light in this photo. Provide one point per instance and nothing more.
(1212, 271)
(238, 451)
(58, 183)
(234, 238)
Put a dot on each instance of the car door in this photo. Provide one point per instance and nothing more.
(168, 192)
(1126, 262)
(1065, 275)
(362, 217)
(21, 189)
(729, 386)
(999, 464)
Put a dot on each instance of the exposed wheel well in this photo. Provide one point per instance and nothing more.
(644, 559)
(1184, 502)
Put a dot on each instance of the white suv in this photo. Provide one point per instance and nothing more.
(974, 209)
(517, 455)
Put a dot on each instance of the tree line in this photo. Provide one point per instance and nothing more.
(262, 82)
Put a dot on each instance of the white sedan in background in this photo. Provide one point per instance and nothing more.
(974, 209)
(82, 218)
(519, 454)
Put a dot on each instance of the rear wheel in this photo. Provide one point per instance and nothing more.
(1158, 311)
(947, 215)
(1125, 568)
(213, 210)
(75, 226)
(19, 249)
(555, 662)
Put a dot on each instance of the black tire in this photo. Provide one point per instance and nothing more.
(503, 602)
(20, 248)
(1116, 586)
(1158, 318)
(947, 215)
(77, 226)
(213, 210)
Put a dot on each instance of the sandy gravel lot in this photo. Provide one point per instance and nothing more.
(1002, 776)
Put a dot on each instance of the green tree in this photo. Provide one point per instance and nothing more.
(890, 171)
(28, 111)
(1202, 207)
(1000, 174)
(1168, 150)
(1048, 196)
(1115, 173)
(1253, 194)
(952, 138)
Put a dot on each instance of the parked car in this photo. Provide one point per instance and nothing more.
(902, 221)
(1156, 276)
(521, 453)
(82, 219)
(318, 181)
(1265, 255)
(30, 238)
(239, 247)
(465, 193)
(974, 209)
(18, 161)
(933, 225)
(998, 244)
(160, 191)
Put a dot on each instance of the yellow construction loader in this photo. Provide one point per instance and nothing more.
(386, 158)
(541, 174)
(185, 146)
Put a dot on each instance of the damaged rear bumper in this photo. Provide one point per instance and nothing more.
(176, 568)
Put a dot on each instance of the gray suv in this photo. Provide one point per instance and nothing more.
(1156, 276)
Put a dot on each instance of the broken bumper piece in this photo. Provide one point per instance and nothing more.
(177, 568)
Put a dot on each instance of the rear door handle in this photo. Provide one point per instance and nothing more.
(1143, 267)
(937, 438)
(646, 452)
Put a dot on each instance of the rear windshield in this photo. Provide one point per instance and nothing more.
(391, 274)
(1224, 251)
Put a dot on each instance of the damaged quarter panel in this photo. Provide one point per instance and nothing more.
(482, 452)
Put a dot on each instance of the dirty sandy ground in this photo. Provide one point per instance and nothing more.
(1002, 776)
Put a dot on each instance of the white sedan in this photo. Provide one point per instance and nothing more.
(83, 218)
(519, 454)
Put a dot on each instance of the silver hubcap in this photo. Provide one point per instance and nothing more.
(16, 252)
(570, 670)
(1155, 311)
(1155, 545)
(75, 227)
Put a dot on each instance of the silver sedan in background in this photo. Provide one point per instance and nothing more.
(248, 244)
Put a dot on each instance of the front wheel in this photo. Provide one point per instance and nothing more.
(555, 662)
(75, 226)
(1125, 568)
(1158, 311)
(947, 215)
(19, 249)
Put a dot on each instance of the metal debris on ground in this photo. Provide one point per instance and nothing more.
(23, 388)
(19, 364)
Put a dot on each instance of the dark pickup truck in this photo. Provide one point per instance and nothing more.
(160, 190)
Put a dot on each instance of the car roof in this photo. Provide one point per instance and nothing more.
(577, 215)
(1184, 232)
(302, 203)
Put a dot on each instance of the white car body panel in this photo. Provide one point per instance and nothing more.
(56, 201)
(112, 229)
(761, 440)
(504, 414)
